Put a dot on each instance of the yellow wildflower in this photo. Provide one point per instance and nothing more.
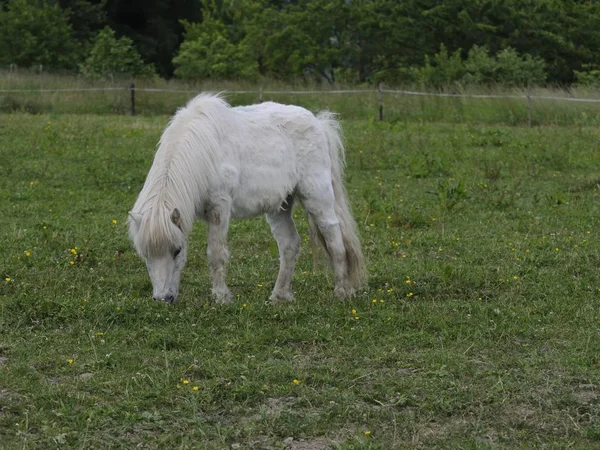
(296, 381)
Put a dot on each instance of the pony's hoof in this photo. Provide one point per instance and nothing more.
(223, 298)
(169, 299)
(278, 297)
(343, 292)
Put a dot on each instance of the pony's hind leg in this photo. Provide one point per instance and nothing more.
(216, 250)
(288, 241)
(320, 205)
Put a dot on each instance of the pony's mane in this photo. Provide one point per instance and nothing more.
(155, 233)
(178, 179)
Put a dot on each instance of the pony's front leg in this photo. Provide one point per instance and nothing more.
(217, 251)
(288, 241)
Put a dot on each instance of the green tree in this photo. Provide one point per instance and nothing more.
(86, 17)
(36, 32)
(114, 58)
(209, 52)
(154, 26)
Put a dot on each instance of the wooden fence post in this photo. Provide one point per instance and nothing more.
(381, 100)
(528, 107)
(260, 95)
(132, 90)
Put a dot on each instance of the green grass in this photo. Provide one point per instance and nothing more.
(38, 95)
(480, 326)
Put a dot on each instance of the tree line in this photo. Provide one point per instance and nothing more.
(514, 42)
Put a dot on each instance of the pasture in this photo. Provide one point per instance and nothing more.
(479, 327)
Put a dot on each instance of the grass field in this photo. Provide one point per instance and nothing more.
(479, 328)
(24, 92)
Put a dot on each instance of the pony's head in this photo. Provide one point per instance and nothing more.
(160, 241)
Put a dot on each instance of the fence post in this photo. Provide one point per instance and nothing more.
(260, 95)
(132, 90)
(381, 100)
(528, 107)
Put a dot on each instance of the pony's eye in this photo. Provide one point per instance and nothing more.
(176, 253)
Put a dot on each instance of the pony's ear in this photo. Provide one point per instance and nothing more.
(135, 217)
(176, 218)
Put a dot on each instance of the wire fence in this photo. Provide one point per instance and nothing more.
(380, 92)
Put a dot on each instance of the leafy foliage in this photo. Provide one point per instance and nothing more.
(507, 68)
(589, 76)
(443, 69)
(322, 40)
(208, 52)
(114, 58)
(86, 17)
(34, 33)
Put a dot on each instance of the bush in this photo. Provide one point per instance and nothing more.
(481, 68)
(589, 77)
(519, 71)
(115, 58)
(507, 68)
(208, 52)
(441, 71)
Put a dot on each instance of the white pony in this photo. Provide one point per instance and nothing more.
(216, 162)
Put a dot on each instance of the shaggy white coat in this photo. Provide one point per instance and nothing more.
(216, 162)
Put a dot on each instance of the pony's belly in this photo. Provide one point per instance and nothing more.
(248, 206)
(261, 188)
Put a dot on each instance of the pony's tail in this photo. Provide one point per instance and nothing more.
(355, 261)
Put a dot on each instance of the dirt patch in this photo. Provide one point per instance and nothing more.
(308, 444)
(275, 406)
(586, 394)
(5, 393)
(522, 413)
